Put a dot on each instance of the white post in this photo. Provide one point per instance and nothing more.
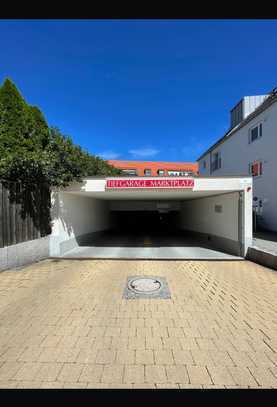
(248, 217)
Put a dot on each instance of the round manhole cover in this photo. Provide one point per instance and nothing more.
(144, 285)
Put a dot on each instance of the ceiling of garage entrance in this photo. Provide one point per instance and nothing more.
(153, 195)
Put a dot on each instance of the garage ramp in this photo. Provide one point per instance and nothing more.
(113, 245)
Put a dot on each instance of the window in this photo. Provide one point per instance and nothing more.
(255, 133)
(174, 173)
(216, 161)
(130, 172)
(147, 172)
(179, 173)
(160, 172)
(256, 168)
(204, 164)
(237, 114)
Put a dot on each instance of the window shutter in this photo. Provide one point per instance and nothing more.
(261, 168)
(255, 169)
(261, 130)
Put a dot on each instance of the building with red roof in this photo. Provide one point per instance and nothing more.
(155, 168)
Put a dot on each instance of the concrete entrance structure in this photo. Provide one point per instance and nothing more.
(212, 212)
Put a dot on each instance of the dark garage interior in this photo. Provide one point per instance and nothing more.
(145, 229)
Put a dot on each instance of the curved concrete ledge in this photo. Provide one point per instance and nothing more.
(263, 257)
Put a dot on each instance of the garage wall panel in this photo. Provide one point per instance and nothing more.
(75, 217)
(217, 215)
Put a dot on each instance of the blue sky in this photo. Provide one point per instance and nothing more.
(139, 89)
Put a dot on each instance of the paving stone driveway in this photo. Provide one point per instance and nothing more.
(64, 324)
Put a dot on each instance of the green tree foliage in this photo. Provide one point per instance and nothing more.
(76, 163)
(30, 151)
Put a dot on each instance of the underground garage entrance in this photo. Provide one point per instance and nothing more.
(146, 218)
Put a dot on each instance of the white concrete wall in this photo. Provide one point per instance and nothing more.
(24, 253)
(237, 153)
(199, 215)
(75, 215)
(95, 187)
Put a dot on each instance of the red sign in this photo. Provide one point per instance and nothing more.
(149, 183)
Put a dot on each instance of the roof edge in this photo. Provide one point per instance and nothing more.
(155, 162)
(272, 98)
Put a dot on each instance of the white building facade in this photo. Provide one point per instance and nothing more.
(250, 148)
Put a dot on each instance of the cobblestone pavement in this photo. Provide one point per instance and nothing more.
(64, 324)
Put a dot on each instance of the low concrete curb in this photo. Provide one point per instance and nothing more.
(265, 258)
(22, 254)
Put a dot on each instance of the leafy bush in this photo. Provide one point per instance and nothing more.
(31, 152)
